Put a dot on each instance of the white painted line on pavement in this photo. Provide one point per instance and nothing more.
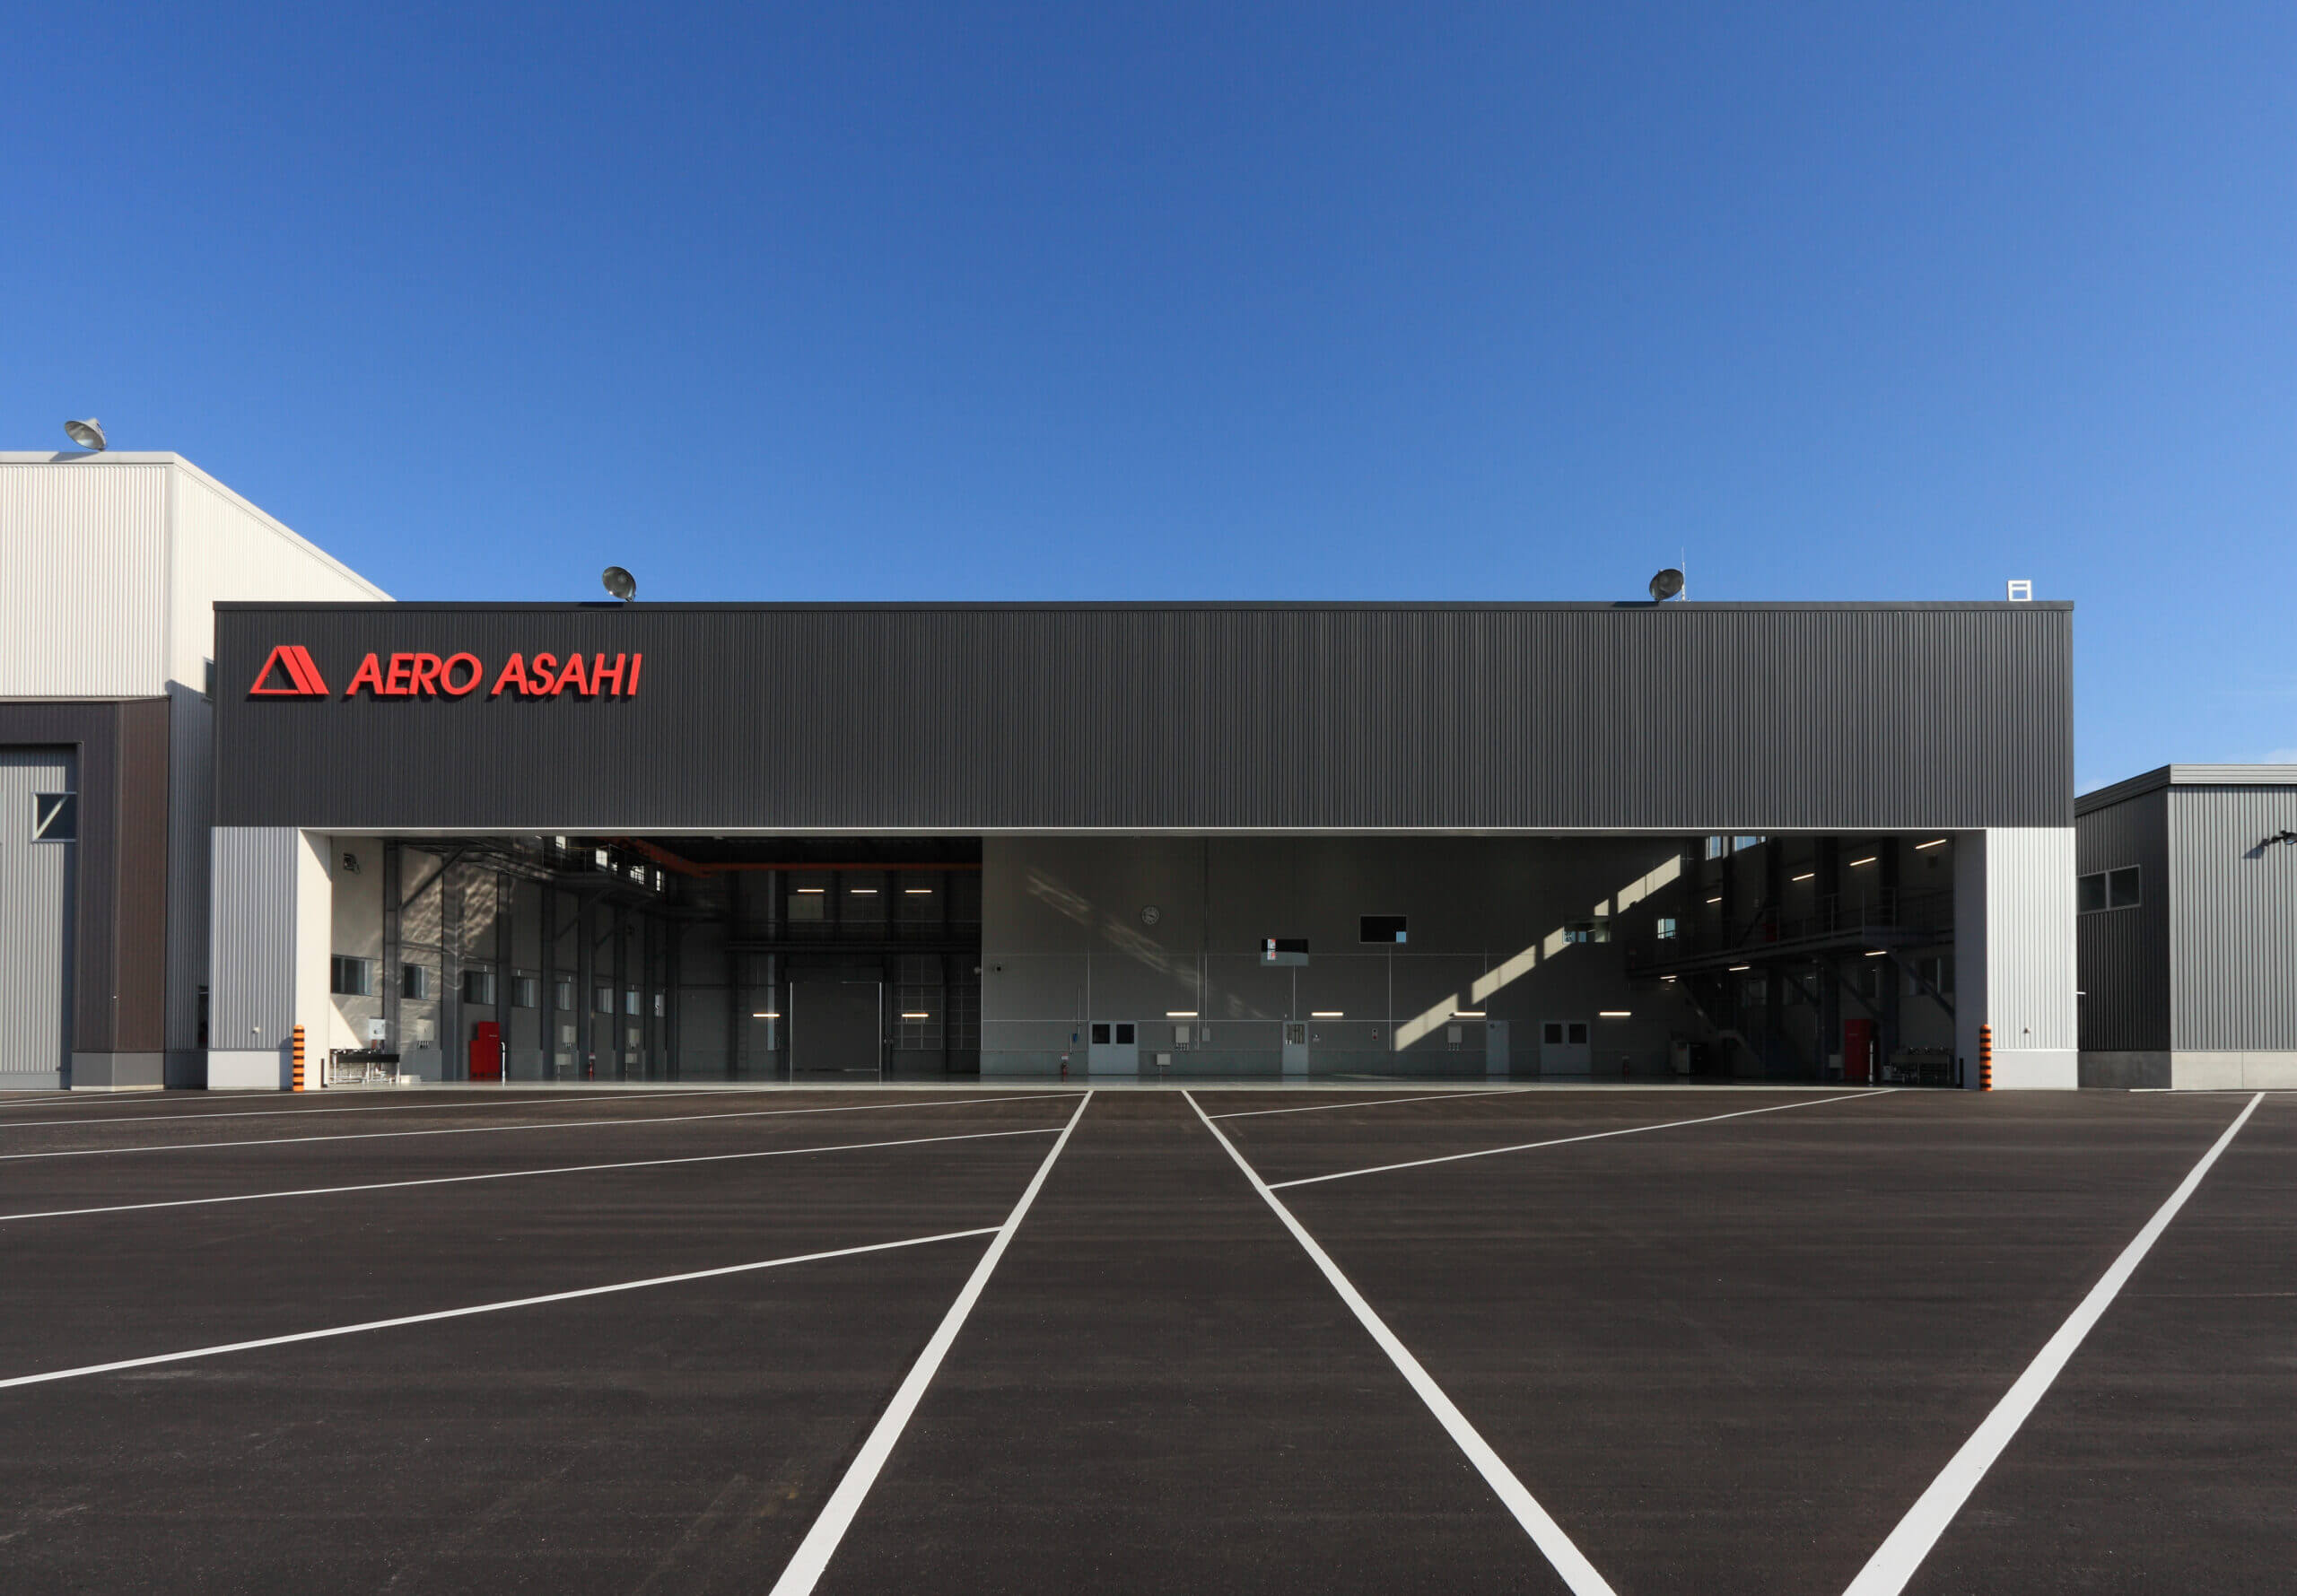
(754, 1113)
(1326, 1108)
(522, 1302)
(828, 1529)
(435, 1105)
(519, 1175)
(1525, 1147)
(1901, 1552)
(1557, 1547)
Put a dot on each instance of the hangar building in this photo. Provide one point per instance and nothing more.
(1163, 841)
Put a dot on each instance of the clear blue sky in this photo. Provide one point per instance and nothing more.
(1133, 302)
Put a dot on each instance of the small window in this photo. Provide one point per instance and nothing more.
(2108, 889)
(1578, 1029)
(1124, 1036)
(525, 992)
(1551, 1034)
(657, 1006)
(1100, 1036)
(1380, 927)
(630, 1000)
(55, 816)
(478, 987)
(415, 981)
(603, 999)
(351, 977)
(1666, 927)
(562, 994)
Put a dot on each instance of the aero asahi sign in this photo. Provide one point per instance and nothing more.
(291, 672)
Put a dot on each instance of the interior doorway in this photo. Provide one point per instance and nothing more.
(1564, 1049)
(837, 1028)
(1116, 1048)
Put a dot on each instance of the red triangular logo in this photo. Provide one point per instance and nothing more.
(303, 678)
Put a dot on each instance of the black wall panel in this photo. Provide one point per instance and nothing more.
(800, 717)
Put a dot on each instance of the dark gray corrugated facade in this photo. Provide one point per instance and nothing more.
(118, 1016)
(1343, 716)
(2201, 966)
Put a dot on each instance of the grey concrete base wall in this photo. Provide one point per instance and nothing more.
(266, 1070)
(119, 1072)
(2196, 1072)
(31, 1080)
(2126, 1070)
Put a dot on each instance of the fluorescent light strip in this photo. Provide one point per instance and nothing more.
(1717, 899)
(1180, 1014)
(1735, 968)
(1326, 1013)
(811, 891)
(919, 891)
(1933, 842)
(768, 1014)
(1807, 876)
(912, 1015)
(863, 891)
(1615, 1014)
(1467, 1014)
(1869, 859)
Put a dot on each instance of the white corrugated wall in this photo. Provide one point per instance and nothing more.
(84, 547)
(2014, 964)
(224, 548)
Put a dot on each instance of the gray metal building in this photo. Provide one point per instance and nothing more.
(2187, 926)
(600, 841)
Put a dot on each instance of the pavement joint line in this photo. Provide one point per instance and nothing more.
(1326, 1108)
(188, 1117)
(1525, 1147)
(1569, 1562)
(522, 1302)
(827, 1531)
(281, 1141)
(1902, 1551)
(518, 1174)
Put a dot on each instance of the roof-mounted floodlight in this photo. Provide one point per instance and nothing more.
(1666, 585)
(619, 582)
(87, 434)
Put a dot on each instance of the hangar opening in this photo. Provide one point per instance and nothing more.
(596, 958)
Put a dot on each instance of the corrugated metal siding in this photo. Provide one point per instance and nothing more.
(2233, 910)
(2030, 938)
(226, 548)
(36, 921)
(84, 547)
(251, 933)
(2125, 952)
(1176, 716)
(191, 807)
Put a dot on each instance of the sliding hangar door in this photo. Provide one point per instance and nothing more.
(1770, 840)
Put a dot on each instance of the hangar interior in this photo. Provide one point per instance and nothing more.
(530, 957)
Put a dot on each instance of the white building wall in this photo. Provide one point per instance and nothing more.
(225, 548)
(2014, 955)
(85, 549)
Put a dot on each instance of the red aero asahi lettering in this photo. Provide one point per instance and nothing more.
(458, 676)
